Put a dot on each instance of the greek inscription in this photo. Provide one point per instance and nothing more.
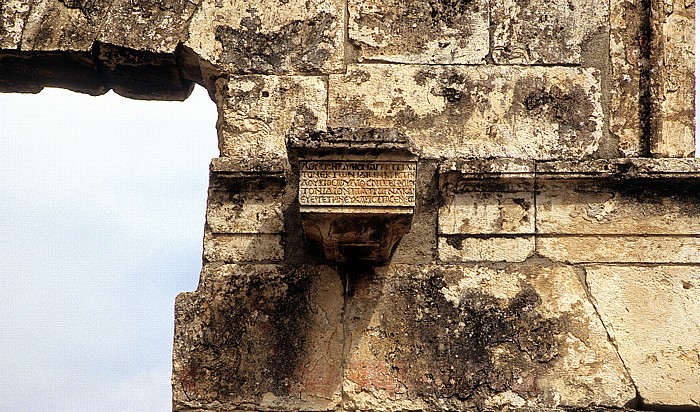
(357, 183)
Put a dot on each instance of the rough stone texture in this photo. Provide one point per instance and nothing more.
(258, 113)
(68, 25)
(412, 31)
(460, 248)
(651, 313)
(673, 78)
(270, 36)
(256, 207)
(481, 212)
(624, 209)
(162, 22)
(234, 248)
(13, 14)
(488, 111)
(260, 336)
(545, 31)
(461, 338)
(628, 57)
(419, 245)
(620, 249)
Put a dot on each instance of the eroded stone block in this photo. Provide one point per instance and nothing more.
(251, 211)
(233, 248)
(623, 209)
(150, 25)
(620, 249)
(673, 78)
(258, 113)
(13, 14)
(476, 111)
(627, 60)
(270, 36)
(261, 335)
(545, 31)
(69, 25)
(434, 31)
(481, 212)
(461, 248)
(651, 313)
(467, 338)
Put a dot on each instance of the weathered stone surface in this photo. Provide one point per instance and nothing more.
(620, 249)
(68, 25)
(259, 336)
(468, 338)
(477, 111)
(256, 207)
(420, 244)
(138, 74)
(234, 248)
(148, 25)
(627, 60)
(258, 113)
(651, 313)
(623, 169)
(461, 248)
(673, 78)
(545, 31)
(625, 209)
(481, 212)
(412, 31)
(13, 14)
(270, 36)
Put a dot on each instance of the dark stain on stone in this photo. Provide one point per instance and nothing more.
(300, 45)
(449, 11)
(88, 7)
(455, 241)
(253, 337)
(451, 350)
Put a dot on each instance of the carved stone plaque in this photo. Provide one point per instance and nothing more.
(356, 183)
(357, 191)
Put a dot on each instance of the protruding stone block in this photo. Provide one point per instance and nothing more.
(413, 31)
(651, 313)
(357, 191)
(545, 31)
(477, 338)
(262, 335)
(475, 111)
(270, 36)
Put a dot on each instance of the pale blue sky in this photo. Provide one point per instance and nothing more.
(102, 216)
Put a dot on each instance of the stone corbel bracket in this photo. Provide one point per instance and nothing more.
(356, 191)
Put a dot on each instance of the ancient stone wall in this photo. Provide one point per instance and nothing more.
(551, 262)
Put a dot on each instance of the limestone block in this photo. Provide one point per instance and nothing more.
(69, 25)
(481, 212)
(74, 71)
(258, 113)
(233, 248)
(651, 313)
(545, 31)
(475, 111)
(251, 211)
(270, 36)
(13, 14)
(259, 336)
(623, 210)
(434, 31)
(620, 249)
(627, 60)
(148, 25)
(460, 248)
(477, 338)
(673, 78)
(420, 244)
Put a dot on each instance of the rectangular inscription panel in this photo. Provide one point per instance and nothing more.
(350, 183)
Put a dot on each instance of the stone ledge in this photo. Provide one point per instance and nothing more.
(227, 166)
